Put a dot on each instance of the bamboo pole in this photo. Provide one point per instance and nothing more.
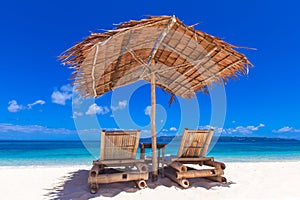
(142, 167)
(102, 145)
(101, 168)
(178, 166)
(141, 184)
(182, 182)
(219, 179)
(94, 171)
(118, 177)
(94, 187)
(207, 142)
(163, 162)
(117, 162)
(218, 165)
(158, 158)
(199, 173)
(142, 153)
(153, 95)
(191, 160)
(153, 128)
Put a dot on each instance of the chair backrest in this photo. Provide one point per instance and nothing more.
(119, 145)
(194, 143)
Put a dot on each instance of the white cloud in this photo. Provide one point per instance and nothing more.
(66, 88)
(173, 129)
(5, 127)
(41, 102)
(60, 97)
(95, 109)
(238, 129)
(244, 129)
(287, 129)
(121, 105)
(208, 127)
(13, 106)
(76, 114)
(147, 110)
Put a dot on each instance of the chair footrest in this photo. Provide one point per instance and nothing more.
(118, 177)
(117, 162)
(191, 160)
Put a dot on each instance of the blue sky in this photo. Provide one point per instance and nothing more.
(36, 100)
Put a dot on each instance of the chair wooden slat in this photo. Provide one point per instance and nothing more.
(194, 143)
(119, 144)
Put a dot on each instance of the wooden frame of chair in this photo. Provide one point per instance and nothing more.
(193, 148)
(118, 149)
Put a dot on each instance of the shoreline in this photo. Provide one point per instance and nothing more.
(57, 165)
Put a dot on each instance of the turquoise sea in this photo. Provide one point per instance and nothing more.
(43, 153)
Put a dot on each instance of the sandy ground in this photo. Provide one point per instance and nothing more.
(268, 180)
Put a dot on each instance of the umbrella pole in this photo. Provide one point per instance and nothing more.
(153, 129)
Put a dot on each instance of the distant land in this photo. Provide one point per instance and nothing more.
(254, 139)
(167, 139)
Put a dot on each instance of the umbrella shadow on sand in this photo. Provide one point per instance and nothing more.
(74, 186)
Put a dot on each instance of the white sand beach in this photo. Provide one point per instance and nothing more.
(261, 180)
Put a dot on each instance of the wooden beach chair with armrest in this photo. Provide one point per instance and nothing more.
(192, 150)
(118, 161)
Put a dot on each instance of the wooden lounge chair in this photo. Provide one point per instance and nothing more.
(118, 161)
(192, 150)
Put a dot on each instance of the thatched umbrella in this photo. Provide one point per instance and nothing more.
(161, 50)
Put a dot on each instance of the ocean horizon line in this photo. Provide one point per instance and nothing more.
(234, 138)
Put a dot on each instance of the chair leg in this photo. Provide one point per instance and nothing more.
(94, 188)
(141, 184)
(101, 168)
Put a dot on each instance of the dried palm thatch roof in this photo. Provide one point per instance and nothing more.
(183, 59)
